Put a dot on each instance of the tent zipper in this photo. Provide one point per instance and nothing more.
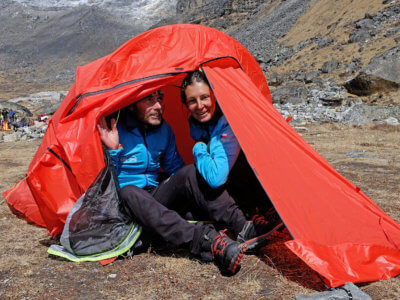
(82, 96)
(65, 164)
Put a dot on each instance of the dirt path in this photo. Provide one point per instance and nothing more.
(367, 156)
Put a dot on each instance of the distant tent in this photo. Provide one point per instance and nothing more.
(5, 126)
(337, 230)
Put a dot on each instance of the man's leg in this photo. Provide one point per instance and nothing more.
(143, 208)
(203, 240)
(187, 184)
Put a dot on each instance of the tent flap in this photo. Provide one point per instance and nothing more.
(348, 262)
(349, 238)
(50, 181)
(22, 203)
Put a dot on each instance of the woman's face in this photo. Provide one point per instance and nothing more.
(199, 101)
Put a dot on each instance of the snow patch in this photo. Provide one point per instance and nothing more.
(147, 12)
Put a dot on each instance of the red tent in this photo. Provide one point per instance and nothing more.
(337, 230)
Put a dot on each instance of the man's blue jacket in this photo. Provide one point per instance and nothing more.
(143, 153)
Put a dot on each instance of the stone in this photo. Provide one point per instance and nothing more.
(367, 23)
(386, 66)
(340, 293)
(359, 36)
(291, 92)
(301, 128)
(367, 84)
(276, 79)
(294, 100)
(298, 75)
(310, 76)
(325, 43)
(303, 64)
(11, 137)
(391, 31)
(392, 121)
(330, 66)
(381, 74)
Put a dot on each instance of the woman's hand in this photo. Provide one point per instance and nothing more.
(109, 137)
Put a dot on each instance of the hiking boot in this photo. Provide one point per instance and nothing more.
(225, 252)
(256, 232)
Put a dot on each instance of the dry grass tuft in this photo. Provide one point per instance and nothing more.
(386, 128)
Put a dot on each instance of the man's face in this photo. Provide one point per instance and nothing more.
(150, 109)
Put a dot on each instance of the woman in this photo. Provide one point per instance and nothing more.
(216, 149)
(216, 153)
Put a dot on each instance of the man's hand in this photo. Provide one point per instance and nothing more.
(109, 137)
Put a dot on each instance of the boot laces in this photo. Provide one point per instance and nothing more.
(219, 245)
(259, 220)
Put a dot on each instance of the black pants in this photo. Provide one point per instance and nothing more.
(158, 211)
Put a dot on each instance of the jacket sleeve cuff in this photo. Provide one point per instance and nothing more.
(116, 153)
(199, 148)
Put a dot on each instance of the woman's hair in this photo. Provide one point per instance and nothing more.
(192, 77)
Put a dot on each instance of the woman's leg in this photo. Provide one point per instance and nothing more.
(187, 186)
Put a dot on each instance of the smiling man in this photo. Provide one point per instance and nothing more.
(150, 109)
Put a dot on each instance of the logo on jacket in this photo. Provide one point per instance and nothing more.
(129, 159)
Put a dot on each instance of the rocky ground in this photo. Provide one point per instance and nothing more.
(325, 61)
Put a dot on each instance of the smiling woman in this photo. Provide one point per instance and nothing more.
(208, 128)
(199, 101)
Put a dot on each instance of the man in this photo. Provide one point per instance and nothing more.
(5, 114)
(11, 114)
(139, 146)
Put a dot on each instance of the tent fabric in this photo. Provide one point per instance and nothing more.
(316, 203)
(320, 206)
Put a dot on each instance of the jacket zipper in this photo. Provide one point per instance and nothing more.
(148, 156)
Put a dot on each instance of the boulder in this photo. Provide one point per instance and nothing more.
(386, 66)
(348, 291)
(11, 137)
(276, 79)
(310, 76)
(361, 114)
(392, 121)
(329, 95)
(291, 92)
(330, 66)
(381, 74)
